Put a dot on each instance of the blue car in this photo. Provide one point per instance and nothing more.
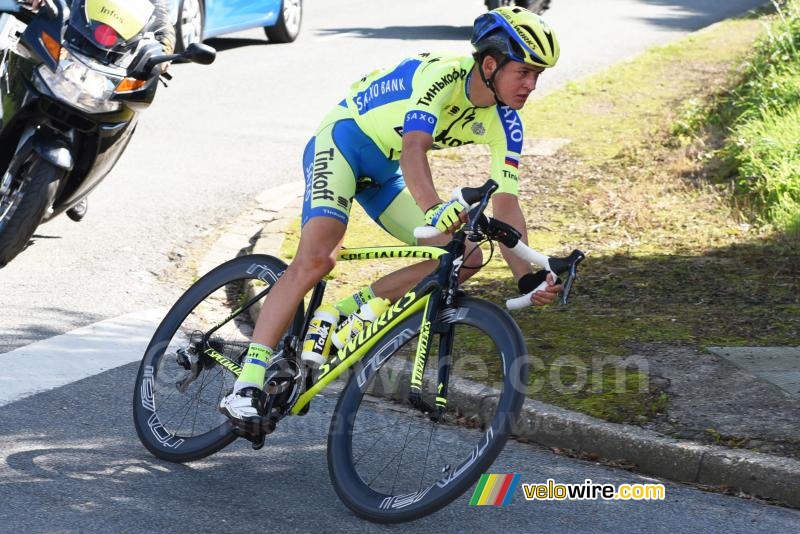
(196, 20)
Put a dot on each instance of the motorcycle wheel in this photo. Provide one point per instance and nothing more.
(23, 204)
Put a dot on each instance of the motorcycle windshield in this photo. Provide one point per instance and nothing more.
(111, 24)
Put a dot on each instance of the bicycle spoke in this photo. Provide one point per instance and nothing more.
(402, 451)
(387, 463)
(425, 466)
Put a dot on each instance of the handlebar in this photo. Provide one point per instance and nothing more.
(479, 225)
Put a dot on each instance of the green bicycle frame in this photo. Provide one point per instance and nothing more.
(414, 300)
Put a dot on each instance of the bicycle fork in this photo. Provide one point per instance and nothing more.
(430, 325)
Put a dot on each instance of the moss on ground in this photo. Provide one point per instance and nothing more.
(670, 258)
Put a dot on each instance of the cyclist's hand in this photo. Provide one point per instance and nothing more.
(545, 296)
(34, 4)
(446, 217)
(548, 296)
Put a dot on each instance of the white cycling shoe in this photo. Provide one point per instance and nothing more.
(241, 405)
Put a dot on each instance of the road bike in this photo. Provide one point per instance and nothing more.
(409, 433)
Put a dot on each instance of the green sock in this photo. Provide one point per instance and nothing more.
(354, 302)
(254, 368)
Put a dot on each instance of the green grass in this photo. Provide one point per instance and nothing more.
(760, 123)
(610, 111)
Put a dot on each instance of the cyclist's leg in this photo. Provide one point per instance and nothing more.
(320, 240)
(330, 186)
(394, 209)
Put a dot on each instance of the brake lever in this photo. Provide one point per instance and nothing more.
(573, 274)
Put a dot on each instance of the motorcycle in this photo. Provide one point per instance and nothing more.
(74, 77)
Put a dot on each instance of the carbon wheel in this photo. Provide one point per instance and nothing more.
(389, 460)
(179, 387)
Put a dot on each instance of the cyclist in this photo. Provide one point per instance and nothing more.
(373, 146)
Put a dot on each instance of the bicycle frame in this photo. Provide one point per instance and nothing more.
(414, 300)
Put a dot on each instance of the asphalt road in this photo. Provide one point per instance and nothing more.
(78, 466)
(69, 457)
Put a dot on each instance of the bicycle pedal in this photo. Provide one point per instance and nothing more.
(254, 429)
(258, 443)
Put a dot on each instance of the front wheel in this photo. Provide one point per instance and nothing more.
(287, 28)
(389, 460)
(179, 387)
(24, 198)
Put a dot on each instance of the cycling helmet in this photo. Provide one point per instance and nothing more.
(518, 34)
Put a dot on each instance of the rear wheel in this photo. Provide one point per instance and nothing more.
(24, 198)
(389, 461)
(289, 21)
(178, 387)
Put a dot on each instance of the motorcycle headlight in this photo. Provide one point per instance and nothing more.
(79, 85)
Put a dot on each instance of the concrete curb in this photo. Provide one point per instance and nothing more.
(261, 231)
(763, 475)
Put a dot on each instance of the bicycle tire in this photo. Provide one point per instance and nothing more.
(350, 427)
(21, 216)
(207, 303)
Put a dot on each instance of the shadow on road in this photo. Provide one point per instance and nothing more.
(690, 15)
(221, 44)
(19, 336)
(72, 455)
(446, 33)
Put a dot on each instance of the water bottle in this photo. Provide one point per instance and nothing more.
(359, 321)
(317, 345)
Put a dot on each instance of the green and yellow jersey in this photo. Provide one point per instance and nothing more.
(428, 93)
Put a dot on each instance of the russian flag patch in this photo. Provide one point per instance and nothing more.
(513, 162)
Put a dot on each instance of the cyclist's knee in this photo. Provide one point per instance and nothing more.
(316, 253)
(313, 264)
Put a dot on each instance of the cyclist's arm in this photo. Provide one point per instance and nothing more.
(431, 91)
(506, 208)
(416, 170)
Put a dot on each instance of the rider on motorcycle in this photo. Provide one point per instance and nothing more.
(163, 29)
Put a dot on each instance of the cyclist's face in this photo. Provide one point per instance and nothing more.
(515, 82)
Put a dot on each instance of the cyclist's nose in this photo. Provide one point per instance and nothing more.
(530, 81)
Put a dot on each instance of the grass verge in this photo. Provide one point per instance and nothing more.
(758, 126)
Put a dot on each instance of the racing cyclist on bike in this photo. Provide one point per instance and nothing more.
(373, 147)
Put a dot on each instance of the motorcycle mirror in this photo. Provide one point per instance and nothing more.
(9, 6)
(200, 53)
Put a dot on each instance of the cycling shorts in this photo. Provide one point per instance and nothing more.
(341, 163)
